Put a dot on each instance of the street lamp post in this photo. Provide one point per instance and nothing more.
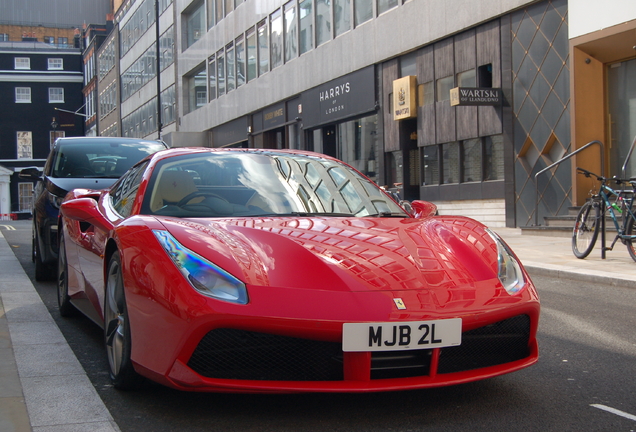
(158, 65)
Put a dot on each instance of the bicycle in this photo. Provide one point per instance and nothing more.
(591, 216)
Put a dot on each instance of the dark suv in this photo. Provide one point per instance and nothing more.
(79, 162)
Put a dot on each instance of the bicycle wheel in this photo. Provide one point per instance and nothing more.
(586, 229)
(629, 230)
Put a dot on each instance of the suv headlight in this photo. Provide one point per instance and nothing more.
(205, 277)
(509, 270)
(56, 201)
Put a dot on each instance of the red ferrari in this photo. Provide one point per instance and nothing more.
(247, 270)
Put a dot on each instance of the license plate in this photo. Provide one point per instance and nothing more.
(397, 336)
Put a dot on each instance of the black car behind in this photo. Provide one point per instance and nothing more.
(78, 162)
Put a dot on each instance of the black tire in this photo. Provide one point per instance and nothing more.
(63, 299)
(43, 272)
(586, 229)
(117, 335)
(629, 230)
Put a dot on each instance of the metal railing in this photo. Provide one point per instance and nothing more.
(629, 155)
(602, 154)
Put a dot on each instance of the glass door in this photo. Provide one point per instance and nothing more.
(621, 81)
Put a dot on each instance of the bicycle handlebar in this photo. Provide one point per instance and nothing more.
(586, 173)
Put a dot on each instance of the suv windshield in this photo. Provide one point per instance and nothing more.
(107, 159)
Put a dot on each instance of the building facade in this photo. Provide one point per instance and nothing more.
(41, 87)
(464, 103)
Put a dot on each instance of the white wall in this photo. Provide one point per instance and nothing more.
(587, 16)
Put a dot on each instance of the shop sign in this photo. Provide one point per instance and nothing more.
(344, 97)
(274, 116)
(469, 96)
(405, 98)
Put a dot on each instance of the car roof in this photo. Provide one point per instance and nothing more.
(87, 140)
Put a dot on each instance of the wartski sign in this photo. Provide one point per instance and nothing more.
(461, 96)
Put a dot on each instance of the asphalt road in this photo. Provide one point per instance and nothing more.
(585, 379)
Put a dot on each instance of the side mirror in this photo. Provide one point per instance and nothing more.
(85, 210)
(30, 173)
(423, 209)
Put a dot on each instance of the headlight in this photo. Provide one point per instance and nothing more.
(55, 200)
(509, 270)
(205, 277)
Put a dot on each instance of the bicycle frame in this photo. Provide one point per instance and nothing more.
(623, 198)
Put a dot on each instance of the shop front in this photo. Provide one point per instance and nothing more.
(339, 118)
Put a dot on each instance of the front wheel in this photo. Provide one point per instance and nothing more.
(117, 334)
(586, 229)
(629, 231)
(63, 299)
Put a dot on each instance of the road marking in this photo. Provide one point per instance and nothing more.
(8, 227)
(615, 411)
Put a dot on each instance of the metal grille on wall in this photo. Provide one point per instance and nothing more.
(541, 107)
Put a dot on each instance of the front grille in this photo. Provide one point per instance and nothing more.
(245, 355)
(400, 364)
(495, 344)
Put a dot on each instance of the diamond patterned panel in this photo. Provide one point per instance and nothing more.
(540, 61)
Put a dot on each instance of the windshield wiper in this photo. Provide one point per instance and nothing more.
(388, 214)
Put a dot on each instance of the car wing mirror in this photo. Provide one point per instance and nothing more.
(85, 210)
(30, 173)
(423, 209)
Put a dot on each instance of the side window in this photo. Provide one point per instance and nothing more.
(123, 195)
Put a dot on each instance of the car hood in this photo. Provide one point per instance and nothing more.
(61, 186)
(345, 254)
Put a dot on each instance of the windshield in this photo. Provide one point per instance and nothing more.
(100, 159)
(237, 183)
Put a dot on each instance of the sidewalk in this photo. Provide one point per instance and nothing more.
(44, 388)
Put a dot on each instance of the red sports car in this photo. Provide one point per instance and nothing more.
(247, 270)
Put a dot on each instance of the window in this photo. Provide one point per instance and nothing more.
(62, 41)
(220, 72)
(364, 11)
(466, 78)
(431, 165)
(493, 158)
(55, 64)
(23, 95)
(342, 16)
(276, 38)
(240, 62)
(291, 32)
(263, 49)
(4, 37)
(55, 134)
(56, 95)
(123, 195)
(426, 93)
(212, 77)
(323, 21)
(194, 23)
(450, 162)
(197, 88)
(484, 74)
(444, 86)
(25, 196)
(230, 67)
(211, 5)
(471, 160)
(251, 54)
(306, 25)
(49, 39)
(385, 5)
(22, 63)
(24, 145)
